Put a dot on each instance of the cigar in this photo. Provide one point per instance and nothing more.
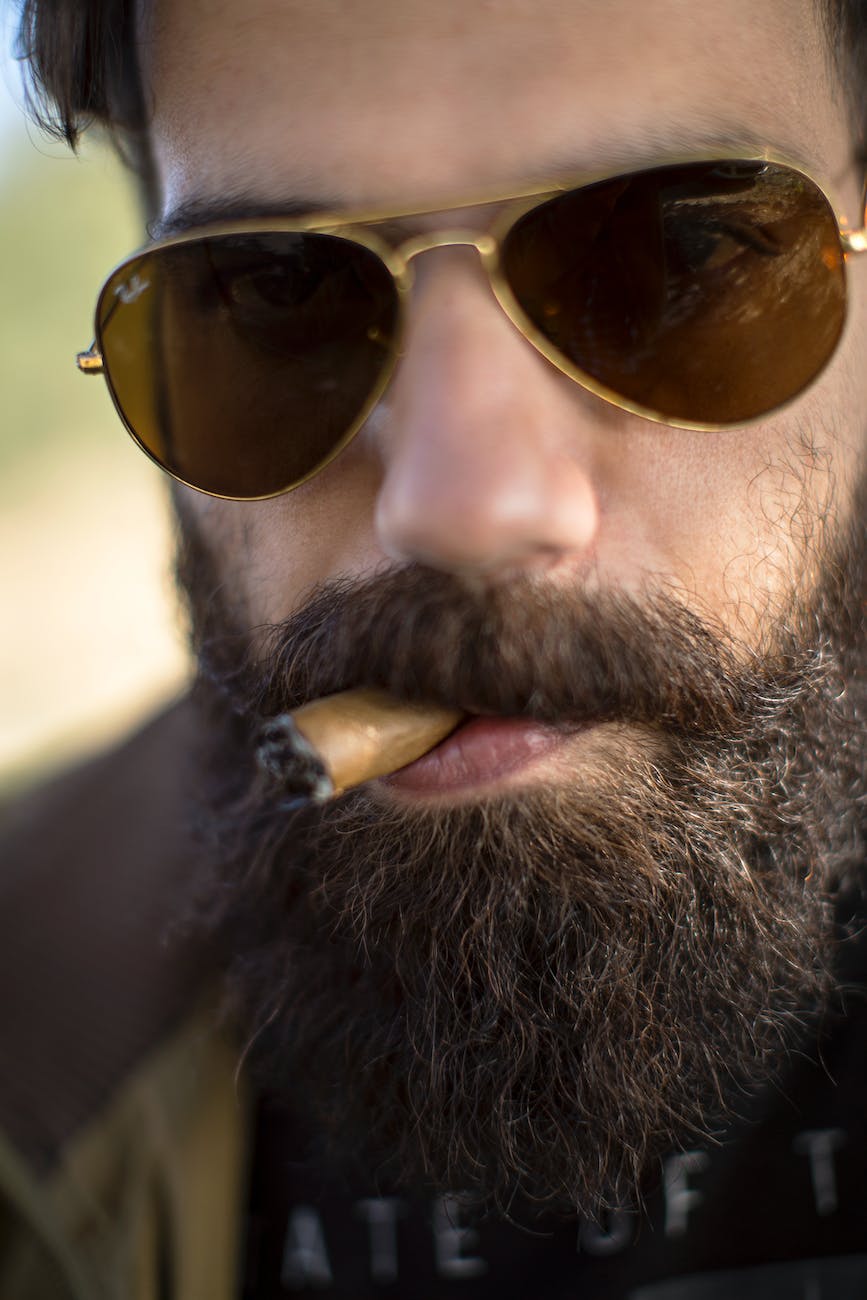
(343, 740)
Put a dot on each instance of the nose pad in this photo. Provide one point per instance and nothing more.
(487, 464)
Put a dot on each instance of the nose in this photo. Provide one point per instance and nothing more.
(488, 462)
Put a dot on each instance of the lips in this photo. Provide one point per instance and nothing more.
(479, 752)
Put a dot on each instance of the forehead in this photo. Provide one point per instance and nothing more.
(369, 101)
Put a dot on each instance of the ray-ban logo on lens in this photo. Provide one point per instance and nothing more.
(131, 289)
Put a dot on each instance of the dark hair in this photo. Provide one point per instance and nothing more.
(83, 67)
(845, 23)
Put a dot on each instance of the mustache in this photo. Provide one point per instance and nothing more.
(518, 648)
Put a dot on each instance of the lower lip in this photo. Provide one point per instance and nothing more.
(480, 752)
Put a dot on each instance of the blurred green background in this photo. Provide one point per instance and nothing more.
(89, 641)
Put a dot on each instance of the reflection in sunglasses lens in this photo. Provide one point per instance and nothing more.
(707, 293)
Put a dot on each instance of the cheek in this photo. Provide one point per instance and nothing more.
(265, 554)
(270, 554)
(793, 501)
(732, 517)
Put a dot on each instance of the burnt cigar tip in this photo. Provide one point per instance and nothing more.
(288, 760)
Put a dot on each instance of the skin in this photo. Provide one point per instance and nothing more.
(482, 458)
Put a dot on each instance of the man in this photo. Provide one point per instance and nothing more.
(568, 1006)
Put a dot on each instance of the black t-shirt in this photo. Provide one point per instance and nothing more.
(776, 1211)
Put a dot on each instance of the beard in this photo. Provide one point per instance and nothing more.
(529, 996)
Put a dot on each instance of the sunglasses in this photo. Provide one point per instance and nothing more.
(242, 357)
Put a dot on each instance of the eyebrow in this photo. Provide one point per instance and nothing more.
(659, 143)
(242, 206)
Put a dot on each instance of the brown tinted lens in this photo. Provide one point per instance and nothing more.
(242, 362)
(707, 293)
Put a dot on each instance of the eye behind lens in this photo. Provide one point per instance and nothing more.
(709, 293)
(243, 362)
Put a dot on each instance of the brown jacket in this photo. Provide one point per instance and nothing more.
(122, 1124)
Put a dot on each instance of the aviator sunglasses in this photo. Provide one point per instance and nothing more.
(242, 357)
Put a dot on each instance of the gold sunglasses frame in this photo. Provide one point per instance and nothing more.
(359, 228)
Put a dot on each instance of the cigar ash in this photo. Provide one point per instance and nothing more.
(290, 763)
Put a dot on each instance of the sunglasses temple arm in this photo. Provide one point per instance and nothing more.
(855, 241)
(90, 362)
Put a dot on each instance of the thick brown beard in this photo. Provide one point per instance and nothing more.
(531, 996)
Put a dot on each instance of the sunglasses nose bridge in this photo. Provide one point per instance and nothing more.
(484, 243)
(401, 258)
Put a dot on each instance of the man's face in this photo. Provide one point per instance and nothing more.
(482, 458)
(570, 877)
